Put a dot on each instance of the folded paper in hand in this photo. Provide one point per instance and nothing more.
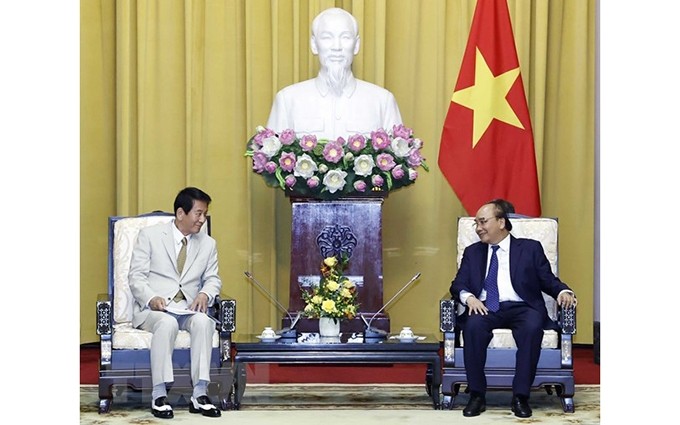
(184, 311)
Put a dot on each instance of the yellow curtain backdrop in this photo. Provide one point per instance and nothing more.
(171, 90)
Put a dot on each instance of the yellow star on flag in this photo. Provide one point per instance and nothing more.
(487, 98)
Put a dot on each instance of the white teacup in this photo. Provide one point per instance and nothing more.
(406, 333)
(268, 333)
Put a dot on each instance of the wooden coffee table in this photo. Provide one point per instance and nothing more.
(338, 352)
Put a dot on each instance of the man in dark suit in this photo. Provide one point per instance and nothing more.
(174, 279)
(500, 280)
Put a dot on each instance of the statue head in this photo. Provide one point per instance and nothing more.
(335, 39)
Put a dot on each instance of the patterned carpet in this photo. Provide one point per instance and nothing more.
(304, 404)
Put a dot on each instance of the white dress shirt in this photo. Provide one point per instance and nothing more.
(505, 290)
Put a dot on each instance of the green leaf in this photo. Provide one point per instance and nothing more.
(279, 177)
(388, 179)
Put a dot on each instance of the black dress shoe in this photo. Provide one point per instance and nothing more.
(475, 406)
(161, 408)
(520, 406)
(204, 406)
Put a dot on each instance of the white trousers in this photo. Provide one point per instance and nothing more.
(164, 327)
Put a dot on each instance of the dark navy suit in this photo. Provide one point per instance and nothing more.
(530, 274)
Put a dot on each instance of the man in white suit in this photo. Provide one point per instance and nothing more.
(174, 268)
(335, 103)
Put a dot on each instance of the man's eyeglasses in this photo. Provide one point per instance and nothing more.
(482, 221)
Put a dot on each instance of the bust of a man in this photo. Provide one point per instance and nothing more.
(335, 103)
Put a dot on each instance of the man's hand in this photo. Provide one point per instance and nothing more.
(475, 306)
(566, 299)
(200, 303)
(157, 303)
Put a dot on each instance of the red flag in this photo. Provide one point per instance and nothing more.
(487, 145)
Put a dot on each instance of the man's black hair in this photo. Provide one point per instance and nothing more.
(186, 197)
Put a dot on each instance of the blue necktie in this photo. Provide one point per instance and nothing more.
(491, 282)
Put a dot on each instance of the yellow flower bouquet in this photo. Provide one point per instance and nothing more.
(335, 296)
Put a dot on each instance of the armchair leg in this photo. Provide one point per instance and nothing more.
(567, 404)
(104, 405)
(240, 375)
(447, 402)
(567, 400)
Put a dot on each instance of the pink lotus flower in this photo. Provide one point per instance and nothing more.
(356, 143)
(287, 137)
(414, 159)
(308, 142)
(385, 161)
(333, 152)
(263, 134)
(259, 161)
(377, 180)
(380, 140)
(402, 131)
(360, 186)
(287, 161)
(313, 182)
(398, 172)
(290, 180)
(270, 167)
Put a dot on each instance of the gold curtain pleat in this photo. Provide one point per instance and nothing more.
(175, 88)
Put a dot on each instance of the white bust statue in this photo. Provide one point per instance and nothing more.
(335, 103)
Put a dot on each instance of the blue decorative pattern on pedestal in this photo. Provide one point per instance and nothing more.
(336, 241)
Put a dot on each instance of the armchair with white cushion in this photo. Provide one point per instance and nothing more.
(125, 357)
(555, 365)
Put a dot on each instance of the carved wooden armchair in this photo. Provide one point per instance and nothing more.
(555, 366)
(125, 360)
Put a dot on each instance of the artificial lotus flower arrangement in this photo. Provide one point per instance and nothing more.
(329, 169)
(335, 296)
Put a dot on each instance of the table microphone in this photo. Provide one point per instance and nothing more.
(288, 332)
(372, 334)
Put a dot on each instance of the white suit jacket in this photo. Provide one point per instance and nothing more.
(309, 108)
(153, 269)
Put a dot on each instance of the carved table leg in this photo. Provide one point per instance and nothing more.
(239, 384)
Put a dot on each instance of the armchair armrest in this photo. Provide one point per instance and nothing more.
(447, 315)
(105, 329)
(104, 315)
(566, 319)
(225, 313)
(447, 324)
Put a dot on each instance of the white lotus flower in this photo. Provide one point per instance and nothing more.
(271, 146)
(363, 165)
(400, 147)
(305, 166)
(334, 180)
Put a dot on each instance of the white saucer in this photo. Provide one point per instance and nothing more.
(268, 339)
(411, 339)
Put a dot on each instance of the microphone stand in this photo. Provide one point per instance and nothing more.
(285, 333)
(376, 335)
